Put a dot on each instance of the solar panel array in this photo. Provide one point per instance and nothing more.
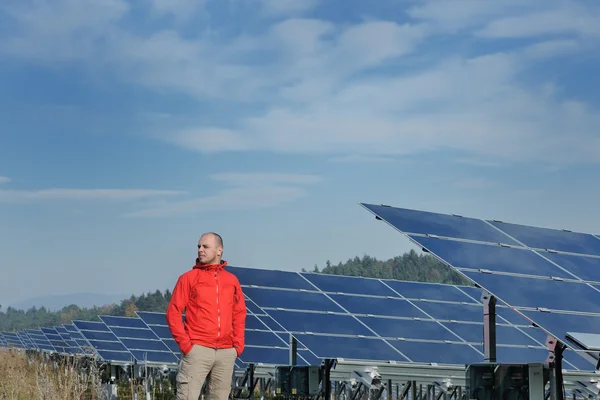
(352, 318)
(550, 276)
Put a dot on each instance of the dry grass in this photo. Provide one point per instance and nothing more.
(34, 377)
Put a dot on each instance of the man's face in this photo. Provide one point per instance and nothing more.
(208, 251)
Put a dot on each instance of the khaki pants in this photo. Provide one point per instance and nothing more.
(195, 367)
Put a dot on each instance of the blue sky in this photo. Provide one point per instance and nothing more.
(131, 127)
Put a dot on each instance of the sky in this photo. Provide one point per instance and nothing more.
(129, 128)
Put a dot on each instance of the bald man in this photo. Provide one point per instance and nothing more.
(212, 336)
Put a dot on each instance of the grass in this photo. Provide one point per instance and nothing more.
(29, 376)
(34, 376)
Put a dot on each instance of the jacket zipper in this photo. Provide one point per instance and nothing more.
(218, 308)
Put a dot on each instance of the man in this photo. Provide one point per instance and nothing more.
(212, 336)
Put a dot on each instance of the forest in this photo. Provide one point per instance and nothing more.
(410, 266)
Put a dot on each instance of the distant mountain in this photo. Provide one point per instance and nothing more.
(82, 300)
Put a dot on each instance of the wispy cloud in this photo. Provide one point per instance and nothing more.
(247, 191)
(4, 179)
(358, 159)
(279, 8)
(20, 196)
(372, 87)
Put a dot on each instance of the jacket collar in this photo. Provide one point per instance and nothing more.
(215, 267)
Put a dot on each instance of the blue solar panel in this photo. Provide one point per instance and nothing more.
(122, 322)
(83, 344)
(554, 239)
(264, 338)
(40, 340)
(428, 223)
(584, 267)
(393, 307)
(103, 341)
(350, 285)
(441, 353)
(134, 333)
(278, 279)
(262, 345)
(408, 328)
(545, 293)
(27, 344)
(273, 298)
(266, 356)
(152, 318)
(55, 340)
(72, 346)
(451, 311)
(505, 334)
(476, 256)
(139, 340)
(351, 348)
(547, 280)
(427, 291)
(293, 321)
(444, 323)
(13, 339)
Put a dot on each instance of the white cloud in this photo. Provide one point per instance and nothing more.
(278, 8)
(264, 178)
(18, 196)
(180, 9)
(373, 87)
(568, 18)
(248, 191)
(4, 179)
(360, 159)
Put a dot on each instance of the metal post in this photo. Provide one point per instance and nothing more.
(555, 361)
(489, 327)
(293, 350)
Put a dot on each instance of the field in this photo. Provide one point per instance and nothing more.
(31, 376)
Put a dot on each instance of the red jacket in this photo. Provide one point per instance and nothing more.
(215, 310)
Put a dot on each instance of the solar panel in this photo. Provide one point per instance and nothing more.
(55, 340)
(27, 343)
(533, 275)
(78, 338)
(40, 340)
(554, 239)
(262, 345)
(104, 342)
(140, 340)
(12, 340)
(72, 346)
(428, 223)
(381, 320)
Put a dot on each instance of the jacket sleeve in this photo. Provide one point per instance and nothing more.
(178, 302)
(239, 319)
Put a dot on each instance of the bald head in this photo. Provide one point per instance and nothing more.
(210, 248)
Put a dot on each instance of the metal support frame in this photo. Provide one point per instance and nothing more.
(293, 350)
(489, 326)
(554, 361)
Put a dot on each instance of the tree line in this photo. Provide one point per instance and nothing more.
(410, 266)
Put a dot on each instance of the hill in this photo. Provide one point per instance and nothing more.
(57, 302)
(409, 266)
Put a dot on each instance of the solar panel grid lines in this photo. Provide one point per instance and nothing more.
(55, 340)
(40, 340)
(358, 320)
(104, 343)
(27, 343)
(529, 340)
(139, 340)
(546, 262)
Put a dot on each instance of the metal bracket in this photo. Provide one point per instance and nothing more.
(489, 326)
(554, 360)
